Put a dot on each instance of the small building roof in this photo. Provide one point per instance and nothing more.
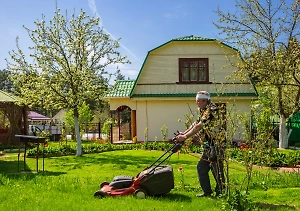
(36, 116)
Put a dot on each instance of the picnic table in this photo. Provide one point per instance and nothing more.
(36, 140)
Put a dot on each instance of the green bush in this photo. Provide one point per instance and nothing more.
(60, 150)
(278, 158)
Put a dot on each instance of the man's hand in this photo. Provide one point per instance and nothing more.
(180, 138)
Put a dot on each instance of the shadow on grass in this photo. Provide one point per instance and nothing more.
(117, 159)
(166, 197)
(9, 168)
(174, 197)
(29, 175)
(273, 206)
(122, 160)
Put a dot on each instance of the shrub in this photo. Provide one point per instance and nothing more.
(277, 159)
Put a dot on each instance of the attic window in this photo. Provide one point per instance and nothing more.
(193, 70)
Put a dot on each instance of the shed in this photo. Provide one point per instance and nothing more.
(13, 118)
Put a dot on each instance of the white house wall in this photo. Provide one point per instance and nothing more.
(117, 102)
(238, 108)
(152, 115)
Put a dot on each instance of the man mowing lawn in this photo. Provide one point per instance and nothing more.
(208, 130)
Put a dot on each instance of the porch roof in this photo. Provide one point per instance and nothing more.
(193, 95)
(122, 88)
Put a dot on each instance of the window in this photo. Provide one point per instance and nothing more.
(193, 70)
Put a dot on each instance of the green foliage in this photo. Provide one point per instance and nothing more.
(58, 150)
(263, 114)
(146, 134)
(278, 159)
(189, 119)
(238, 201)
(125, 115)
(101, 112)
(85, 115)
(164, 132)
(107, 126)
(5, 83)
(274, 158)
(269, 52)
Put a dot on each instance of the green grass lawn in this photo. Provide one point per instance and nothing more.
(69, 183)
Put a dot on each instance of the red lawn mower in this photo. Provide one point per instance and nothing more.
(156, 179)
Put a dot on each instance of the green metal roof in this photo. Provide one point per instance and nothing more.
(6, 97)
(193, 38)
(193, 95)
(121, 88)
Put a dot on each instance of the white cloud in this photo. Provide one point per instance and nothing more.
(93, 7)
(128, 70)
(176, 12)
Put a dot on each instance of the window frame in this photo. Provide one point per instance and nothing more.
(189, 60)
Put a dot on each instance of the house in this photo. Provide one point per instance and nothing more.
(36, 118)
(58, 118)
(167, 83)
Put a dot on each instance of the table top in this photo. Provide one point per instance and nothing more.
(28, 138)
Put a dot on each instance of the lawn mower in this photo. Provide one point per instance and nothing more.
(155, 179)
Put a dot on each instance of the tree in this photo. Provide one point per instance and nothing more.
(5, 84)
(119, 76)
(267, 35)
(67, 64)
(84, 115)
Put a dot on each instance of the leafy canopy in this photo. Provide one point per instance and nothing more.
(267, 35)
(66, 64)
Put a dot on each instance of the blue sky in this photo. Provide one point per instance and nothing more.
(142, 25)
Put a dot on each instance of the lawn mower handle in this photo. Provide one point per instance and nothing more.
(173, 150)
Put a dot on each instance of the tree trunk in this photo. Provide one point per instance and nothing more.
(77, 133)
(283, 133)
(14, 115)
